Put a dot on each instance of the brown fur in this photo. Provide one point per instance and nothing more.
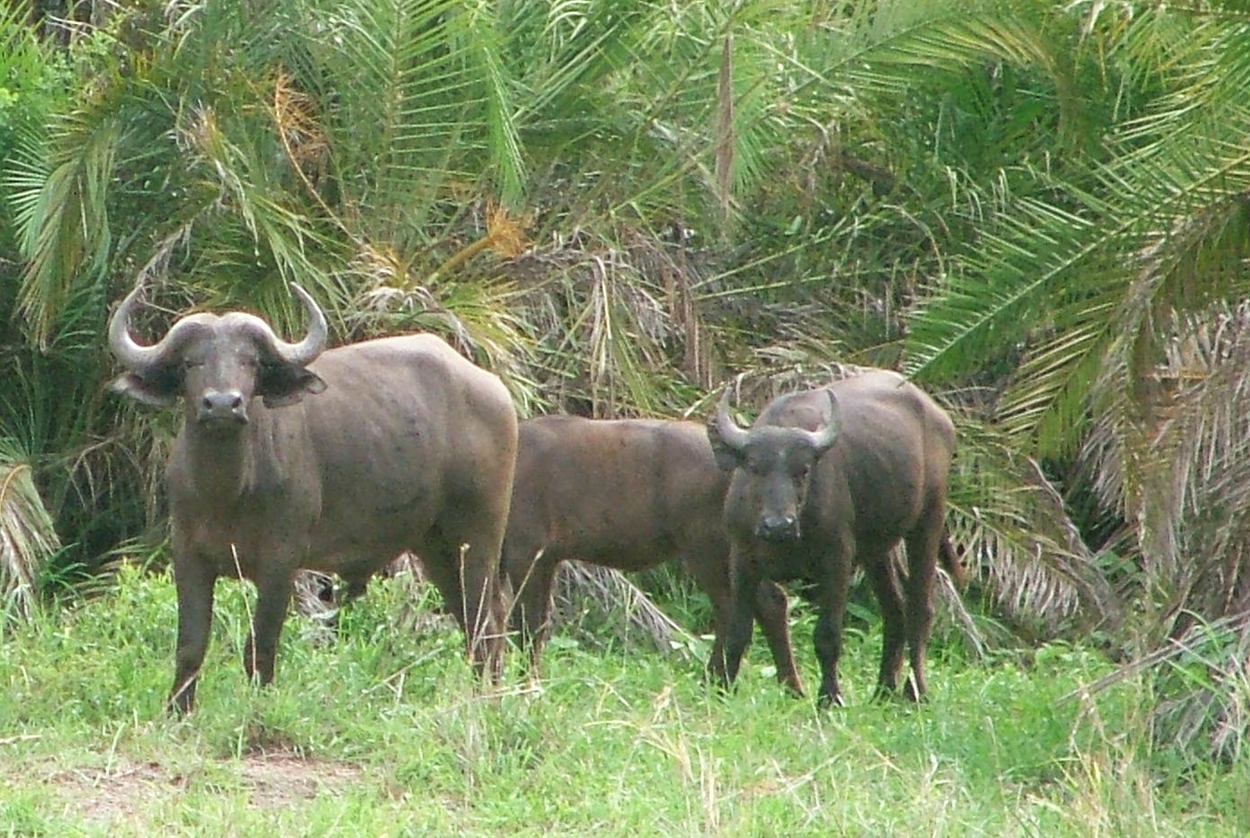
(628, 494)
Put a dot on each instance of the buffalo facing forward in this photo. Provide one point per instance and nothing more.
(829, 477)
(628, 494)
(293, 457)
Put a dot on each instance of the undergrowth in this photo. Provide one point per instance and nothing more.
(379, 729)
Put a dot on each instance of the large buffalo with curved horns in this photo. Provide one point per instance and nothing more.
(827, 478)
(293, 456)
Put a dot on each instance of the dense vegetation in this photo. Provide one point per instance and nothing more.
(1038, 210)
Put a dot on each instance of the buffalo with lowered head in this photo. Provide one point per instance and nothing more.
(293, 456)
(830, 477)
(628, 494)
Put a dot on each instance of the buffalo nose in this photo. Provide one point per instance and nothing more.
(217, 405)
(778, 528)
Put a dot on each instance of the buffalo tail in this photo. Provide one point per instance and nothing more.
(950, 560)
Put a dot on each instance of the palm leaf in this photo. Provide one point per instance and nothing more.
(27, 536)
(1017, 535)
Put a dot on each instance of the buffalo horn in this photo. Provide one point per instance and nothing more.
(731, 435)
(302, 353)
(824, 437)
(132, 355)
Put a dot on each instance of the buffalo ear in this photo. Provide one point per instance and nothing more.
(727, 457)
(158, 387)
(282, 385)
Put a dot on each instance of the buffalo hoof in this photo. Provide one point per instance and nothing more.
(825, 701)
(887, 692)
(181, 701)
(794, 689)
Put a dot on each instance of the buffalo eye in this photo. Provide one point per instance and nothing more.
(801, 469)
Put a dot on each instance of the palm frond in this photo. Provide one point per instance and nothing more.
(1191, 494)
(66, 227)
(1018, 537)
(503, 142)
(27, 536)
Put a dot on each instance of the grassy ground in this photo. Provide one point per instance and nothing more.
(382, 733)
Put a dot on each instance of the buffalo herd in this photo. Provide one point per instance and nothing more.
(292, 455)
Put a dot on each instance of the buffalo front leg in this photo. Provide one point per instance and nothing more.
(714, 579)
(728, 650)
(827, 636)
(273, 597)
(194, 582)
(722, 616)
(772, 611)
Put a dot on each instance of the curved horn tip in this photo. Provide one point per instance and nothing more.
(729, 431)
(298, 291)
(122, 311)
(315, 314)
(827, 434)
(303, 352)
(124, 347)
(130, 297)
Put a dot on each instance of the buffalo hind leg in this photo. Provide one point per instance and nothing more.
(353, 588)
(194, 582)
(532, 579)
(879, 568)
(273, 597)
(923, 544)
(468, 579)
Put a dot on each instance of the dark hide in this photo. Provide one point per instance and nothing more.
(336, 464)
(628, 494)
(830, 477)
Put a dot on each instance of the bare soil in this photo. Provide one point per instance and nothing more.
(123, 792)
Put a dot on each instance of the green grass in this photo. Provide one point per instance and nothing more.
(381, 732)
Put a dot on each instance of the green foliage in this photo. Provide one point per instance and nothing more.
(1037, 210)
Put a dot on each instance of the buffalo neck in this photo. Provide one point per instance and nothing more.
(228, 465)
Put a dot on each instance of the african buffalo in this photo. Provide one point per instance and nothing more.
(628, 494)
(829, 477)
(293, 457)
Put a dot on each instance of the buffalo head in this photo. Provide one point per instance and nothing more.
(218, 363)
(770, 465)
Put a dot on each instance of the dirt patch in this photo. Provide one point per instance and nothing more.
(277, 779)
(111, 794)
(123, 792)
